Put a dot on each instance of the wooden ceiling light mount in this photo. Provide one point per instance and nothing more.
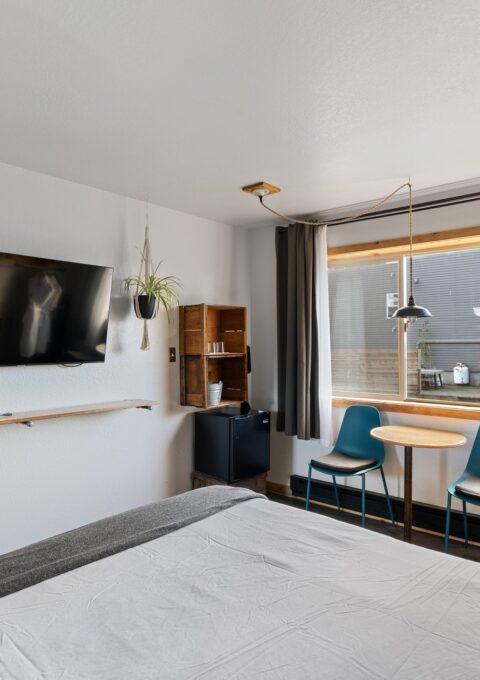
(261, 189)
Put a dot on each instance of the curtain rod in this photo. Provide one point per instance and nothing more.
(418, 207)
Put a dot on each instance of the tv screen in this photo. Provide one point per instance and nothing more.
(52, 312)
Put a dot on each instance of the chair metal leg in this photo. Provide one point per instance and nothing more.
(307, 500)
(389, 505)
(447, 526)
(363, 500)
(465, 523)
(337, 498)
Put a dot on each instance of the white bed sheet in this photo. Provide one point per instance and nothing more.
(261, 590)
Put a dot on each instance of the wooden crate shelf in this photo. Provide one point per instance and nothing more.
(225, 355)
(201, 325)
(223, 404)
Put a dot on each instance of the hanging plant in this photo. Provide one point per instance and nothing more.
(149, 291)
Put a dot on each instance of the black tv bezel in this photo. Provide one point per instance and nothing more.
(64, 363)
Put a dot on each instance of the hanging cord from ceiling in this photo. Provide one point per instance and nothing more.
(410, 233)
(343, 220)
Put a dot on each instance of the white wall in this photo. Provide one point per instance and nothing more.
(433, 469)
(64, 473)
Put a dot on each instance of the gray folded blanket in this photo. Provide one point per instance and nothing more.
(40, 561)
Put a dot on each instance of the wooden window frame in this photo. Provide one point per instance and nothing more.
(434, 242)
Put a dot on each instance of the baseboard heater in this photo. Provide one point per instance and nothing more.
(425, 516)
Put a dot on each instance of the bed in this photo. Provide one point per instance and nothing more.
(222, 583)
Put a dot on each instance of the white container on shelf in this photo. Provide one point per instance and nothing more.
(461, 374)
(215, 393)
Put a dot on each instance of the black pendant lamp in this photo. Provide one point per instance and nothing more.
(411, 312)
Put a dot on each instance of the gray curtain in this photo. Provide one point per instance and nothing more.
(297, 341)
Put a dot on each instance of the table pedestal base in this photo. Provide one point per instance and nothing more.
(407, 495)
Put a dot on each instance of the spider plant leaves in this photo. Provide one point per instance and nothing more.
(165, 288)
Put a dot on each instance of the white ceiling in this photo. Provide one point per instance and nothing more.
(336, 101)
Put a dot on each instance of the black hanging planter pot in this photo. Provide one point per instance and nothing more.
(146, 306)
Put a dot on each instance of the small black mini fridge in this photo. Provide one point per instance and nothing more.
(231, 446)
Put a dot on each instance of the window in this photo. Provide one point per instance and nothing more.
(433, 360)
(444, 351)
(364, 339)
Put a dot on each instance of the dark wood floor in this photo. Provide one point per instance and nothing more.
(472, 552)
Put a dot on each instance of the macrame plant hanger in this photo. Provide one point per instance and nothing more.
(146, 266)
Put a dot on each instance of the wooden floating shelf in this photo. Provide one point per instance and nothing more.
(29, 417)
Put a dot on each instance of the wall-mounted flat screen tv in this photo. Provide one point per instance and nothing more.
(52, 312)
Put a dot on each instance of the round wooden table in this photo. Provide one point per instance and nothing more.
(410, 437)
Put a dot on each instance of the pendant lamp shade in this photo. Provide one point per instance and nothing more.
(411, 312)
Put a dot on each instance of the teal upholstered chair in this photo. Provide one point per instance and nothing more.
(355, 453)
(466, 489)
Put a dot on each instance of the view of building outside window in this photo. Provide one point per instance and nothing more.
(442, 352)
(447, 345)
(364, 339)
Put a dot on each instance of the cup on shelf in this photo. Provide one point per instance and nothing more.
(216, 348)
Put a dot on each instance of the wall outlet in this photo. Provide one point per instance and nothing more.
(172, 354)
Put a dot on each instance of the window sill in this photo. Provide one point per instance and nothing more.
(414, 407)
